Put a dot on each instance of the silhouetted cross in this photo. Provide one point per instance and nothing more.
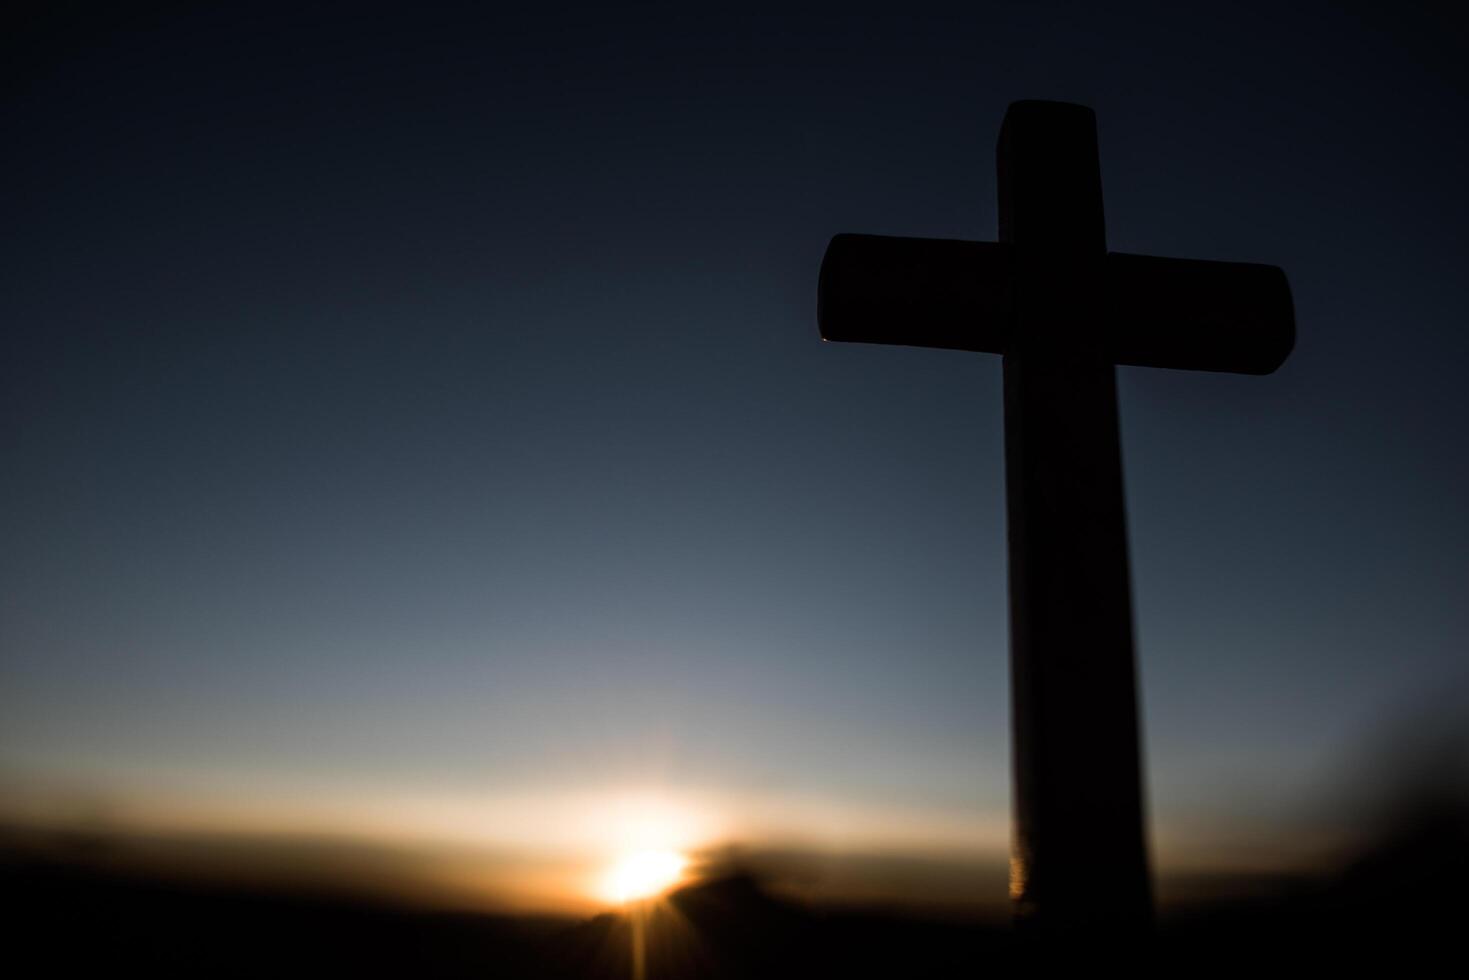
(1063, 311)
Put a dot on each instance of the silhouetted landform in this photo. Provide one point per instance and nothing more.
(1404, 897)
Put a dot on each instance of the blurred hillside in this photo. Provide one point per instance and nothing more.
(1403, 896)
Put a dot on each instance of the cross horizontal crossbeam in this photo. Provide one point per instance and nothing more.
(1153, 312)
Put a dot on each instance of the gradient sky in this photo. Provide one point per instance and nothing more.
(425, 409)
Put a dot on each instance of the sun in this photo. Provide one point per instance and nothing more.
(638, 875)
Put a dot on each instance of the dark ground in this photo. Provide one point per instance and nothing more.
(1403, 899)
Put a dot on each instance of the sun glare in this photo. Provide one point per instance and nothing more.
(643, 874)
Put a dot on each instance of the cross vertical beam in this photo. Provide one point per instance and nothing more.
(1079, 858)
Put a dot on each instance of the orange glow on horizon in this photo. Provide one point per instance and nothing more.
(531, 848)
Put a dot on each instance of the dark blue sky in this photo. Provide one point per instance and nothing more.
(429, 402)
